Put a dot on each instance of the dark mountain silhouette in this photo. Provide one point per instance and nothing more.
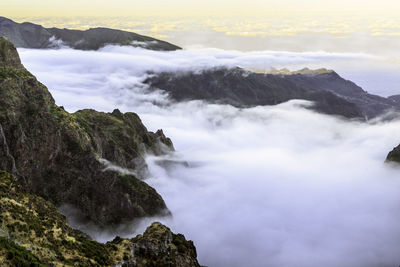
(241, 88)
(29, 35)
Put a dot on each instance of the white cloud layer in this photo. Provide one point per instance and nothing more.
(373, 73)
(266, 186)
(281, 186)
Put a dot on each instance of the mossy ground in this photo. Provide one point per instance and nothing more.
(37, 225)
(10, 72)
(14, 255)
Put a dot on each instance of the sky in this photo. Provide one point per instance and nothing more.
(368, 26)
(195, 7)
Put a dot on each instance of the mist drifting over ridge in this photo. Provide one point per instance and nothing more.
(266, 186)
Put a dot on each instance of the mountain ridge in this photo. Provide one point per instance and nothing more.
(30, 35)
(331, 93)
(243, 88)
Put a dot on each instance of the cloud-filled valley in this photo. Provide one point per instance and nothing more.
(265, 186)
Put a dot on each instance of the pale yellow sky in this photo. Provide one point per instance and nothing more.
(370, 26)
(364, 8)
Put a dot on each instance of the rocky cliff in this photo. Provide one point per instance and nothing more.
(60, 156)
(31, 35)
(33, 233)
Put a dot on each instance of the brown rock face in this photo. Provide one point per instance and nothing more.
(57, 155)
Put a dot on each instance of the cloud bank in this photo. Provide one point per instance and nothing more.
(281, 186)
(373, 73)
(266, 186)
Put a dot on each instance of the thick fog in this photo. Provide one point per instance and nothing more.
(266, 186)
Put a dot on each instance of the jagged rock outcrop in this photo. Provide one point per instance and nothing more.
(243, 88)
(34, 233)
(58, 155)
(394, 155)
(158, 246)
(31, 35)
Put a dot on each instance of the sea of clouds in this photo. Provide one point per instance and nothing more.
(265, 186)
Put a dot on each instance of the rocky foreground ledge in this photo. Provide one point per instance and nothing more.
(34, 233)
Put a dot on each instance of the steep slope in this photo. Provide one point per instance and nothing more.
(243, 88)
(328, 80)
(59, 155)
(31, 35)
(395, 98)
(33, 233)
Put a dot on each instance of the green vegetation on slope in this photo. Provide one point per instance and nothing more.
(15, 255)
